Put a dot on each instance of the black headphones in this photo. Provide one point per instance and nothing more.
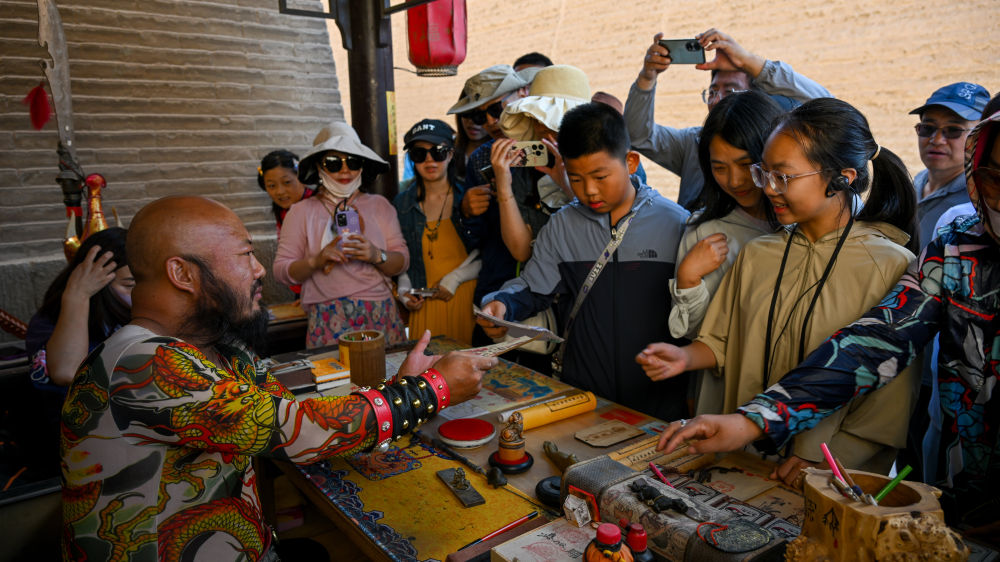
(839, 183)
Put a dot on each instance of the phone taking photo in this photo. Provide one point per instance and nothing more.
(684, 51)
(344, 223)
(530, 154)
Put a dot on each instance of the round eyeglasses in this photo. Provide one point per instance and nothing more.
(777, 181)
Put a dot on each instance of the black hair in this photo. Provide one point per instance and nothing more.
(277, 159)
(533, 59)
(591, 128)
(992, 107)
(107, 311)
(835, 135)
(743, 120)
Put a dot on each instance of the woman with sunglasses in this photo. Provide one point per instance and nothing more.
(438, 287)
(343, 245)
(788, 292)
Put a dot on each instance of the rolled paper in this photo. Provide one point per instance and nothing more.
(555, 410)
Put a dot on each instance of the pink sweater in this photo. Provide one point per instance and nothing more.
(303, 231)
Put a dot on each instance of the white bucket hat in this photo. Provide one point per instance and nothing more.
(554, 91)
(489, 84)
(341, 137)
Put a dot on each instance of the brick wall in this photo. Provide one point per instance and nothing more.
(884, 57)
(169, 97)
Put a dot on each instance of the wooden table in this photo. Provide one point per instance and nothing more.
(402, 511)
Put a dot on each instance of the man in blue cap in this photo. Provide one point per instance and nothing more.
(945, 121)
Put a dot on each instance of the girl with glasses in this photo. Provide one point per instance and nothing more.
(438, 287)
(343, 245)
(788, 292)
(734, 211)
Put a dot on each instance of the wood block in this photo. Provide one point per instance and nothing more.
(607, 433)
(468, 495)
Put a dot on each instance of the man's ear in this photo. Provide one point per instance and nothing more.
(632, 161)
(181, 274)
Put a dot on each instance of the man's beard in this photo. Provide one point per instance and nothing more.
(215, 318)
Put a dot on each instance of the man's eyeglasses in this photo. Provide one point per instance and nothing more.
(715, 94)
(777, 181)
(438, 153)
(949, 132)
(478, 116)
(334, 164)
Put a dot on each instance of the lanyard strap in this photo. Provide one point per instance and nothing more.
(617, 235)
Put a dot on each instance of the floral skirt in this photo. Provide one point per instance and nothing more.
(328, 320)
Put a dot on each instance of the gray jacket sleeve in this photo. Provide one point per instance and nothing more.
(778, 78)
(674, 149)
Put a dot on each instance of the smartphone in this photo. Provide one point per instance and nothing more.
(684, 51)
(530, 154)
(424, 292)
(346, 222)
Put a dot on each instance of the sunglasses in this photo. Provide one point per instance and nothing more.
(950, 132)
(438, 153)
(478, 116)
(334, 164)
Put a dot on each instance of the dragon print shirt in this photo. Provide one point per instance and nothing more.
(156, 445)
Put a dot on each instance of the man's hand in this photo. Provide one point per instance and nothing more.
(476, 200)
(464, 373)
(717, 434)
(93, 274)
(328, 257)
(656, 60)
(791, 471)
(416, 362)
(729, 55)
(661, 361)
(704, 257)
(496, 309)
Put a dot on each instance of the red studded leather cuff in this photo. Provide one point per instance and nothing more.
(439, 386)
(383, 416)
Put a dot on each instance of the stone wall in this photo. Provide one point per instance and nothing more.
(169, 97)
(884, 57)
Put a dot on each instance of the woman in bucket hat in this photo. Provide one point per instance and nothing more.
(344, 277)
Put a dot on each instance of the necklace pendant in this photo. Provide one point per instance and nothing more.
(432, 236)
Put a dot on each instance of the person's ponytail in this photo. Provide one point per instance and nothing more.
(892, 198)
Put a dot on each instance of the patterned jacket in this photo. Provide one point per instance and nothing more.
(951, 290)
(157, 439)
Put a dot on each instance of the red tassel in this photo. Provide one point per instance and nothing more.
(39, 109)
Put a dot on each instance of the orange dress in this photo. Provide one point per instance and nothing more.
(453, 318)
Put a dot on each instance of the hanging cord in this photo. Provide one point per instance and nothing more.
(812, 303)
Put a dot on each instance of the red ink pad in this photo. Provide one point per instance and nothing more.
(467, 432)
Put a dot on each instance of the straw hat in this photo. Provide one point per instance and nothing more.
(341, 137)
(489, 84)
(554, 91)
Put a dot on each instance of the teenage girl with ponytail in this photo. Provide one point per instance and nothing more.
(788, 292)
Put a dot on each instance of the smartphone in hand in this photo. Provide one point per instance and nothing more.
(344, 223)
(684, 51)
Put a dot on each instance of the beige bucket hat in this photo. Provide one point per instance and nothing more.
(341, 137)
(489, 84)
(554, 91)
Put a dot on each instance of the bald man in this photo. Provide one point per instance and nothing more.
(162, 419)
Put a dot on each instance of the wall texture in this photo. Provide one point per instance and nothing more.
(884, 57)
(169, 97)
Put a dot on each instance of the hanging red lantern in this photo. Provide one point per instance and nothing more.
(437, 37)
